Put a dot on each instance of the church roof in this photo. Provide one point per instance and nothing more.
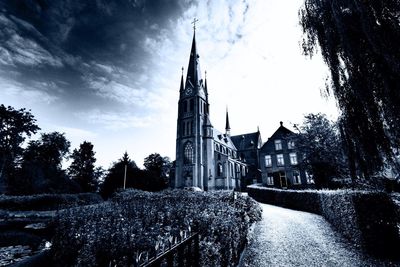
(193, 77)
(223, 139)
(246, 141)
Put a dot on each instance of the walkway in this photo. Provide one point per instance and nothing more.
(286, 237)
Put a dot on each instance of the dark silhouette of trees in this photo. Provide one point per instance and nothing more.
(157, 164)
(359, 41)
(320, 143)
(153, 178)
(82, 168)
(115, 178)
(15, 126)
(41, 169)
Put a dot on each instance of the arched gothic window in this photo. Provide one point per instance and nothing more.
(188, 153)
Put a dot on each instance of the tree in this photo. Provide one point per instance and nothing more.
(320, 143)
(82, 168)
(115, 177)
(359, 43)
(158, 164)
(41, 168)
(15, 126)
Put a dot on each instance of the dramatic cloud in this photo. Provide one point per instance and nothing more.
(110, 69)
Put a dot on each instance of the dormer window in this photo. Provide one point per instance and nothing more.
(278, 144)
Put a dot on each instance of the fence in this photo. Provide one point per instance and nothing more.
(180, 251)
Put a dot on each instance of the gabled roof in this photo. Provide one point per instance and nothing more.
(280, 132)
(246, 141)
(223, 139)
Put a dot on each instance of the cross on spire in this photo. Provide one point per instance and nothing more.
(194, 23)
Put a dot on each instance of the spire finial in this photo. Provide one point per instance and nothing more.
(182, 70)
(227, 125)
(194, 23)
(205, 75)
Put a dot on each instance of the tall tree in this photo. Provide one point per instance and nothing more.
(320, 143)
(359, 41)
(41, 168)
(82, 168)
(15, 126)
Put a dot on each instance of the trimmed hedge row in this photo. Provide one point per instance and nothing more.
(134, 221)
(47, 201)
(368, 219)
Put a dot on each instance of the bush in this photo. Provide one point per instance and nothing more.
(368, 219)
(133, 221)
(47, 201)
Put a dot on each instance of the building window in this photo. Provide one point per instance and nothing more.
(309, 177)
(293, 158)
(278, 144)
(296, 177)
(270, 179)
(290, 145)
(216, 147)
(280, 160)
(188, 153)
(268, 161)
(219, 169)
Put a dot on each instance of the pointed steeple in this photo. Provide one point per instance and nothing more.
(193, 77)
(182, 86)
(205, 82)
(227, 126)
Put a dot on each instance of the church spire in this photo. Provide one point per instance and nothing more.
(182, 86)
(193, 77)
(227, 126)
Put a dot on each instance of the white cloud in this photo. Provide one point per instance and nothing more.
(116, 121)
(13, 89)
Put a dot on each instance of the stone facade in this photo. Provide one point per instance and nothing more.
(205, 157)
(279, 161)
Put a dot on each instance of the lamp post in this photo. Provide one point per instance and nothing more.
(125, 177)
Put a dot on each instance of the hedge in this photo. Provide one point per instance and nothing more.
(133, 221)
(47, 201)
(369, 219)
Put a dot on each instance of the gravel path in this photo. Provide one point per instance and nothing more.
(286, 237)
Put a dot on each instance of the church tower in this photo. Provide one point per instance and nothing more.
(193, 127)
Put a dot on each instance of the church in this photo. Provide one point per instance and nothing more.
(205, 157)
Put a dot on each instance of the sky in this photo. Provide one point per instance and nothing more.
(108, 71)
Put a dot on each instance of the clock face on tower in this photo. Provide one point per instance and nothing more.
(188, 91)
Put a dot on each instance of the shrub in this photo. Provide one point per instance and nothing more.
(133, 221)
(368, 219)
(47, 201)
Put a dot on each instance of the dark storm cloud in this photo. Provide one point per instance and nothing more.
(67, 47)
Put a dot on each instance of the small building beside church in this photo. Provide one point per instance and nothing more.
(279, 161)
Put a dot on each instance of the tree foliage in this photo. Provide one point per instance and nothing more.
(321, 145)
(15, 126)
(82, 168)
(41, 169)
(359, 41)
(150, 179)
(157, 164)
